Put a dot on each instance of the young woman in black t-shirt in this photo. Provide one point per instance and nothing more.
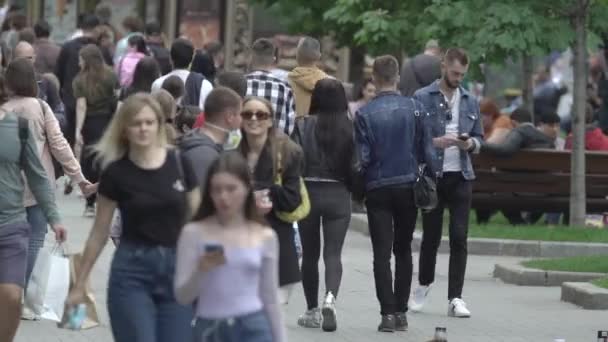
(156, 191)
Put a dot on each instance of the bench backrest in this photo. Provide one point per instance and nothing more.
(539, 171)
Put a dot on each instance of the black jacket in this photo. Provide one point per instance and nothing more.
(285, 197)
(68, 67)
(523, 136)
(162, 56)
(315, 165)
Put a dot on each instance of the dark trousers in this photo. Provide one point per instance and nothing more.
(329, 208)
(92, 131)
(454, 193)
(391, 215)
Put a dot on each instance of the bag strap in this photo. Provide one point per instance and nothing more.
(180, 166)
(24, 129)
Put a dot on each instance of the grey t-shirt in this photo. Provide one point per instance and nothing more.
(11, 180)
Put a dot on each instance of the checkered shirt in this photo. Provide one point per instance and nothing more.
(279, 93)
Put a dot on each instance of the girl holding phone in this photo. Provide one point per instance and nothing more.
(227, 261)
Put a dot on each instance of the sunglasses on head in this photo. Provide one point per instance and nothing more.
(259, 115)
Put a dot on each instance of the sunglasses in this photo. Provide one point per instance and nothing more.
(259, 115)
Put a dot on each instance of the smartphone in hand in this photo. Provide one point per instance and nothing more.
(463, 137)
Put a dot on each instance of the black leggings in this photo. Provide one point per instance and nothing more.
(331, 209)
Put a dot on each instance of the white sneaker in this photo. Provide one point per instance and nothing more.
(458, 308)
(28, 315)
(418, 297)
(328, 313)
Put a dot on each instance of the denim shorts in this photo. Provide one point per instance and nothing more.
(253, 327)
(13, 253)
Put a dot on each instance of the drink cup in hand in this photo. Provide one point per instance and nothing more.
(262, 201)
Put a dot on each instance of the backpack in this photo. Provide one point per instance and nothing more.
(126, 67)
(194, 83)
(24, 131)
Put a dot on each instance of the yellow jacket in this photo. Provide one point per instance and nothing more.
(302, 81)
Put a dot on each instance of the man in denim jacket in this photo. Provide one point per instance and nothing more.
(456, 127)
(392, 140)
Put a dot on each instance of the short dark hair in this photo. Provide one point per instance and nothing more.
(386, 69)
(263, 52)
(42, 29)
(549, 118)
(175, 86)
(133, 24)
(182, 53)
(103, 12)
(521, 115)
(234, 80)
(89, 22)
(21, 78)
(186, 116)
(219, 100)
(153, 29)
(456, 54)
(27, 35)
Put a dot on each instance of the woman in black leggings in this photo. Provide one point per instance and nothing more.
(326, 136)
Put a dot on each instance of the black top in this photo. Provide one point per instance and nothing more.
(152, 202)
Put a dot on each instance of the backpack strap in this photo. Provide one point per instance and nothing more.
(24, 131)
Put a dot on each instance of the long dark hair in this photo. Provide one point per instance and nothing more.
(146, 72)
(234, 164)
(138, 42)
(95, 70)
(203, 64)
(334, 130)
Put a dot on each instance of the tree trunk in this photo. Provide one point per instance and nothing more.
(527, 80)
(577, 181)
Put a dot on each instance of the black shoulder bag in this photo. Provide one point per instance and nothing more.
(425, 188)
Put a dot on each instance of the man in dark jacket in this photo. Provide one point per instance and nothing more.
(222, 116)
(154, 40)
(68, 67)
(392, 140)
(421, 70)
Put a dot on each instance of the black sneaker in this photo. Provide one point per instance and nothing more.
(400, 321)
(387, 324)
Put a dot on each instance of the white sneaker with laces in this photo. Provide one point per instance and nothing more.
(418, 298)
(328, 312)
(458, 308)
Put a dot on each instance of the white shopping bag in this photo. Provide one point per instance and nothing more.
(49, 284)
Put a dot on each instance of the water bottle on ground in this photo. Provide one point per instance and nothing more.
(441, 335)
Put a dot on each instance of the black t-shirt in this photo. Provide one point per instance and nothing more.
(152, 203)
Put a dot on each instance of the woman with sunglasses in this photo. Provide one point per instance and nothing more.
(326, 136)
(262, 145)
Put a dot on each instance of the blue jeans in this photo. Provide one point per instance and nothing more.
(253, 327)
(38, 229)
(141, 302)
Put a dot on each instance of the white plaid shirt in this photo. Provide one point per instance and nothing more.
(279, 93)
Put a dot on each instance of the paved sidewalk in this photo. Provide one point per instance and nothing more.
(500, 312)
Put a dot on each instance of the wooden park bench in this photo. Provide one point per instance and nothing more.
(537, 179)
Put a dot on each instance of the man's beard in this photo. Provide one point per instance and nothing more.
(450, 84)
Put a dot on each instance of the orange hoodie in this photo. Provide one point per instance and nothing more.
(302, 81)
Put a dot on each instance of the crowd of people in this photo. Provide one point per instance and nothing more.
(200, 175)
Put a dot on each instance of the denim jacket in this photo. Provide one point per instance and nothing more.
(469, 122)
(392, 140)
